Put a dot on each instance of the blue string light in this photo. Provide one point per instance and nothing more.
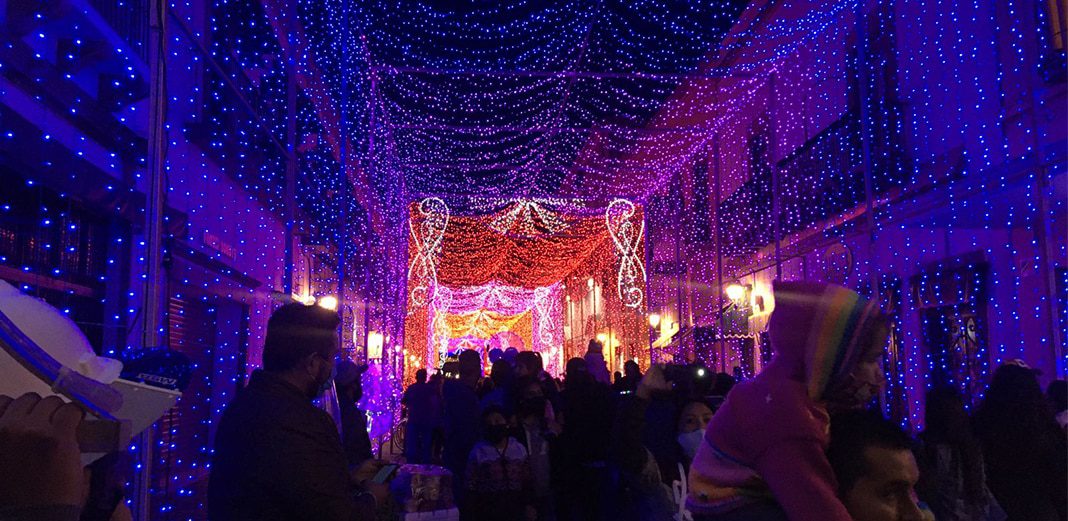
(567, 98)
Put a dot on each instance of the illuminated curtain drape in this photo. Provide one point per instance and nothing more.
(512, 269)
(474, 254)
(481, 311)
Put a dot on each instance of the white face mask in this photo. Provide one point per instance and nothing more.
(691, 441)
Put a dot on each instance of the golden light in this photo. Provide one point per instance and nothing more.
(735, 292)
(668, 330)
(602, 338)
(328, 302)
(654, 320)
(374, 345)
(307, 300)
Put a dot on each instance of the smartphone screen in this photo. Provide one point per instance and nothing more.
(384, 474)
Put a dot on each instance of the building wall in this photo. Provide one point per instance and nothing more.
(961, 100)
(80, 149)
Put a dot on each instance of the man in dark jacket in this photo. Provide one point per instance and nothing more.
(277, 456)
(354, 436)
(462, 415)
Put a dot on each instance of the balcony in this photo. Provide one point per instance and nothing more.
(823, 178)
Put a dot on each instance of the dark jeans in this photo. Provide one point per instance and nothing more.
(588, 494)
(418, 440)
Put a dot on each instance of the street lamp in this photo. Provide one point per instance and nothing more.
(374, 345)
(735, 292)
(328, 302)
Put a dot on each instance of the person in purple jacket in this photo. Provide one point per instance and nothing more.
(763, 452)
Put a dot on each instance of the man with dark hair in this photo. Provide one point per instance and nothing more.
(876, 471)
(354, 437)
(423, 401)
(278, 456)
(528, 364)
(462, 413)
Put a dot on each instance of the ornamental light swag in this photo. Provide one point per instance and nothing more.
(428, 234)
(627, 238)
(528, 218)
(478, 311)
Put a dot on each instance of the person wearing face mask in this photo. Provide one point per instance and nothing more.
(763, 453)
(691, 428)
(497, 479)
(537, 431)
(277, 456)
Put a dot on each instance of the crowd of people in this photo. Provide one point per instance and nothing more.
(799, 441)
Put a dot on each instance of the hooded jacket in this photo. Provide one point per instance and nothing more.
(768, 440)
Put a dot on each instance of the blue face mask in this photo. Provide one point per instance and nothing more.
(690, 442)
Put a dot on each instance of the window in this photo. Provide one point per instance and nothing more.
(56, 249)
(1054, 21)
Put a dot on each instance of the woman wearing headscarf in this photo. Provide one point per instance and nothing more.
(763, 453)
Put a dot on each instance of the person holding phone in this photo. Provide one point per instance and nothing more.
(40, 461)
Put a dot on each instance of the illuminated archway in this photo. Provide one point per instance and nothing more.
(537, 272)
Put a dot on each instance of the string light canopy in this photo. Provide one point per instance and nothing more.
(506, 99)
(915, 153)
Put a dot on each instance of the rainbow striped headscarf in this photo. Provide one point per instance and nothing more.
(842, 326)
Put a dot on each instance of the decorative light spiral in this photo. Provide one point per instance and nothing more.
(428, 232)
(627, 236)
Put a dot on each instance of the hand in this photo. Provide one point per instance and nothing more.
(366, 470)
(652, 381)
(39, 456)
(380, 491)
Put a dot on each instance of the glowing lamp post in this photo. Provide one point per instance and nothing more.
(328, 302)
(735, 292)
(374, 345)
